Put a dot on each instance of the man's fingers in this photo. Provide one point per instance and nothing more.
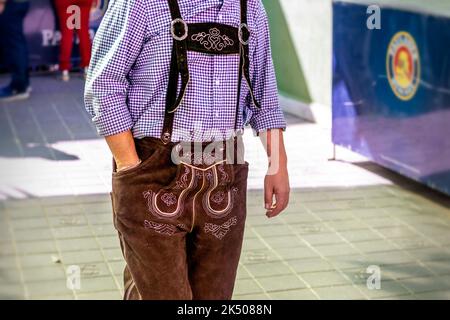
(282, 200)
(268, 198)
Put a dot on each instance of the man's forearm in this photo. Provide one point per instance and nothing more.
(123, 149)
(273, 143)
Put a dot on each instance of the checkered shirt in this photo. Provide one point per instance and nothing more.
(129, 73)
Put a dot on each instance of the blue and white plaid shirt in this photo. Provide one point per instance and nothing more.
(129, 73)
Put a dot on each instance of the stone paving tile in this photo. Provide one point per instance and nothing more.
(268, 269)
(325, 279)
(48, 288)
(11, 291)
(331, 250)
(435, 295)
(440, 267)
(77, 244)
(310, 265)
(44, 273)
(257, 296)
(280, 283)
(405, 271)
(302, 294)
(104, 295)
(283, 242)
(33, 235)
(247, 286)
(298, 253)
(426, 284)
(242, 272)
(117, 267)
(258, 256)
(352, 261)
(9, 275)
(54, 297)
(413, 243)
(322, 239)
(82, 256)
(96, 284)
(346, 292)
(37, 260)
(113, 254)
(396, 232)
(374, 246)
(388, 289)
(359, 235)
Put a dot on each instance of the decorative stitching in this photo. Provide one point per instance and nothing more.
(218, 197)
(229, 194)
(182, 182)
(169, 198)
(213, 40)
(219, 231)
(225, 177)
(161, 228)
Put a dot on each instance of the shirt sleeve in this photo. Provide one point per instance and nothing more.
(115, 48)
(270, 116)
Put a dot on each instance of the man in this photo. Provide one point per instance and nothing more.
(184, 75)
(14, 47)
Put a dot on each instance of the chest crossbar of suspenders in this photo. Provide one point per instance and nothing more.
(209, 38)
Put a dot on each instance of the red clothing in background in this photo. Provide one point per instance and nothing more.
(67, 33)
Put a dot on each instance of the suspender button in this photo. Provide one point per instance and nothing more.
(166, 137)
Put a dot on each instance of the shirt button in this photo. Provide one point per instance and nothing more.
(220, 17)
(217, 82)
(217, 114)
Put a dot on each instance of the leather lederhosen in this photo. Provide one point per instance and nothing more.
(181, 226)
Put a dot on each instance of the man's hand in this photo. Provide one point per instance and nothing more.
(276, 185)
(276, 182)
(123, 149)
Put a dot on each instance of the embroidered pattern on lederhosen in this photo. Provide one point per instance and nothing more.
(219, 197)
(169, 202)
(220, 231)
(217, 200)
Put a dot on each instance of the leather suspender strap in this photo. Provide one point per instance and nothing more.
(244, 36)
(244, 60)
(171, 95)
(178, 66)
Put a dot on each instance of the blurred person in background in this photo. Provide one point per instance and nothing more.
(15, 51)
(65, 16)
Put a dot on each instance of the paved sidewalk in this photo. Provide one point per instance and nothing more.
(344, 215)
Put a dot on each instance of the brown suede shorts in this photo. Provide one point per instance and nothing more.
(180, 225)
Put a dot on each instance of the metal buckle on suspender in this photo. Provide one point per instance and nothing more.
(185, 27)
(243, 26)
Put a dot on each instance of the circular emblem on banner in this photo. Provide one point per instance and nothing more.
(403, 65)
(98, 10)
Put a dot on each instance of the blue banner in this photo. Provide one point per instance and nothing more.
(391, 90)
